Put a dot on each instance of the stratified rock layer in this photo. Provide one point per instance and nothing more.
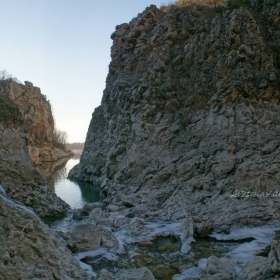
(190, 115)
(30, 250)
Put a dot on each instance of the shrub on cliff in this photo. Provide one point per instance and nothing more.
(235, 4)
(5, 75)
(9, 112)
(193, 3)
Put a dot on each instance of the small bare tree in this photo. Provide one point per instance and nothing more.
(60, 138)
(5, 75)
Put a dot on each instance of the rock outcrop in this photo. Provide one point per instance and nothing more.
(29, 249)
(190, 117)
(142, 273)
(37, 119)
(18, 174)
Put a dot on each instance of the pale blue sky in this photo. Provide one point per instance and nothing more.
(63, 47)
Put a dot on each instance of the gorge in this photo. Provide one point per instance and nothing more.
(184, 146)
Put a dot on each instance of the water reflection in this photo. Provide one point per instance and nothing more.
(76, 194)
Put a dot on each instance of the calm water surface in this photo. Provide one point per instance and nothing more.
(76, 194)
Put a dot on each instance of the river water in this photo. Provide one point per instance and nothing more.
(76, 194)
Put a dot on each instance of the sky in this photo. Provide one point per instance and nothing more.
(63, 47)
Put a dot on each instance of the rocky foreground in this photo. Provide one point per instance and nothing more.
(29, 249)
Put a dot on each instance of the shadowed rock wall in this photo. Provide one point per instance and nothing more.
(190, 114)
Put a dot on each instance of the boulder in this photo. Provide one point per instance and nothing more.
(220, 265)
(187, 228)
(187, 233)
(85, 237)
(108, 240)
(142, 273)
(257, 268)
(104, 274)
(273, 256)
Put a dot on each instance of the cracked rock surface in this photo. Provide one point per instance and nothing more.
(29, 249)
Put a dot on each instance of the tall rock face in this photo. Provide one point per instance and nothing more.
(18, 175)
(38, 120)
(190, 115)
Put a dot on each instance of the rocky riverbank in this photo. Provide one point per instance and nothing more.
(109, 240)
(29, 249)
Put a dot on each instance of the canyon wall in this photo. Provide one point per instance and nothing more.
(190, 116)
(38, 121)
(28, 248)
(18, 175)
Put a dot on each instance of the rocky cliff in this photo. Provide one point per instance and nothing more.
(190, 116)
(18, 174)
(28, 248)
(38, 120)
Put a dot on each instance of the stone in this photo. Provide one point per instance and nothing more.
(85, 237)
(108, 240)
(104, 274)
(220, 265)
(142, 273)
(273, 256)
(187, 228)
(145, 243)
(257, 268)
(113, 208)
(96, 214)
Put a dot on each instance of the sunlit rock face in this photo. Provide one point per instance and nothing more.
(29, 249)
(190, 116)
(38, 121)
(18, 175)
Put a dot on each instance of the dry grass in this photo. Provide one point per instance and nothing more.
(194, 3)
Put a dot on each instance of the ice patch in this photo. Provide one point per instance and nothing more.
(101, 252)
(244, 252)
(16, 205)
(87, 268)
(191, 272)
(186, 245)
